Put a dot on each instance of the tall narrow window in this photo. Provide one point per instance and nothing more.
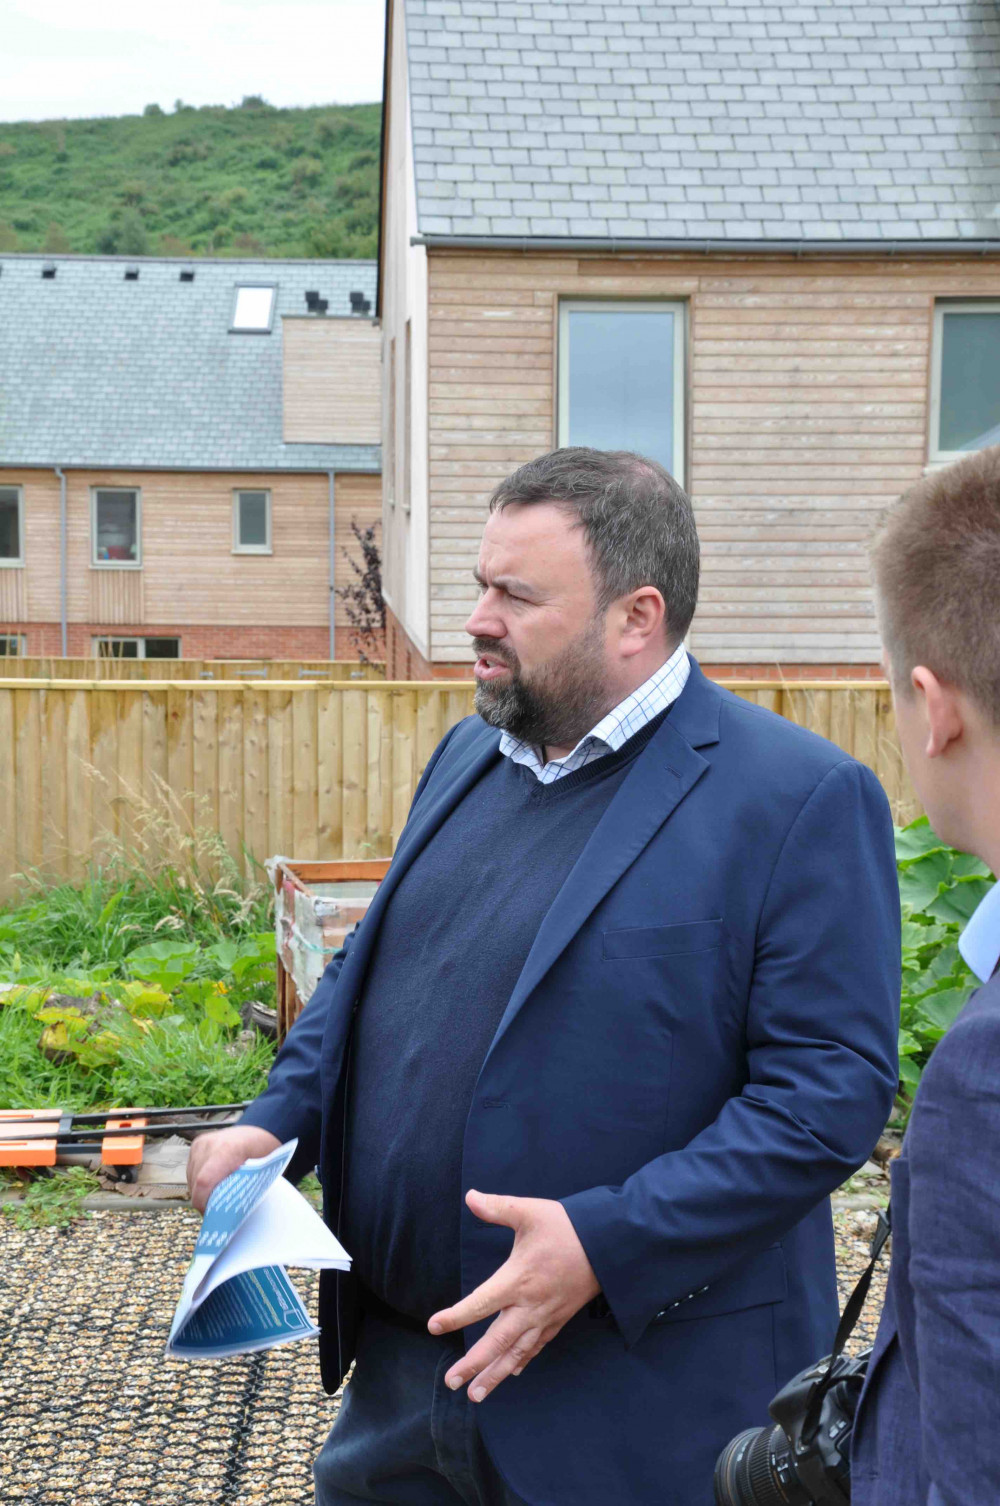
(389, 458)
(11, 526)
(965, 380)
(116, 526)
(621, 378)
(407, 410)
(251, 522)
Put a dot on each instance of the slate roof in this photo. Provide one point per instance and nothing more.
(103, 372)
(837, 120)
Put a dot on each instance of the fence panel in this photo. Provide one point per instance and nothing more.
(188, 669)
(304, 769)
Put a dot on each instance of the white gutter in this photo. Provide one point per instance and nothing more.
(716, 246)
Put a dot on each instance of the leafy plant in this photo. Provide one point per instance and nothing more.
(939, 890)
(53, 1201)
(362, 597)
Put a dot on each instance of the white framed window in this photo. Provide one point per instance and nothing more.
(253, 308)
(251, 522)
(965, 378)
(622, 377)
(11, 526)
(11, 645)
(137, 648)
(116, 527)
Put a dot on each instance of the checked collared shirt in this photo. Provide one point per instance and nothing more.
(612, 731)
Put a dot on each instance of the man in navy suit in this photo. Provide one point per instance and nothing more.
(621, 1015)
(928, 1427)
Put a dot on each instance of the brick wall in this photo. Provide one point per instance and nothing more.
(198, 641)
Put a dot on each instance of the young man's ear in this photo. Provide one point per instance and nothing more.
(942, 711)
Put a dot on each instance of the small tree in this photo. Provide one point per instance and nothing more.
(362, 597)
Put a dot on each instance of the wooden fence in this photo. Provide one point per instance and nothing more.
(301, 769)
(188, 669)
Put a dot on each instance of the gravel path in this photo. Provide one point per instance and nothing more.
(91, 1414)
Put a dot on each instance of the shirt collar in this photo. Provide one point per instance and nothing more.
(613, 730)
(979, 943)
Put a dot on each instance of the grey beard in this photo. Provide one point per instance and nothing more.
(563, 702)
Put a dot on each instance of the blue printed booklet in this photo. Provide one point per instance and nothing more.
(236, 1295)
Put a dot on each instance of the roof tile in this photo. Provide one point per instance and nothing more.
(818, 108)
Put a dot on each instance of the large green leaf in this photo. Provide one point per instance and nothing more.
(921, 881)
(965, 865)
(961, 900)
(915, 840)
(943, 1008)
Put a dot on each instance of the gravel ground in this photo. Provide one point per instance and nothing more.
(91, 1414)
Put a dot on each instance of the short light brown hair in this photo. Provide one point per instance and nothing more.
(937, 578)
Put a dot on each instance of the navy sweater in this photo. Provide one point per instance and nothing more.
(449, 951)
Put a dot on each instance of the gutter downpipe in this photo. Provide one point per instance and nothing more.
(62, 560)
(331, 480)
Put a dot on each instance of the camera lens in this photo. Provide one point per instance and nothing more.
(756, 1470)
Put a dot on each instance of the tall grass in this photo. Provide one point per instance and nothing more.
(166, 883)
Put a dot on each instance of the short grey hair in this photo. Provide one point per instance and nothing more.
(639, 524)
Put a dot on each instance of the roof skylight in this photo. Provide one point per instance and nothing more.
(253, 309)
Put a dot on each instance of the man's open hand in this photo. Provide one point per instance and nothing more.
(545, 1280)
(218, 1152)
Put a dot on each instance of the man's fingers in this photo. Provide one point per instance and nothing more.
(506, 1346)
(216, 1153)
(486, 1300)
(520, 1353)
(492, 1209)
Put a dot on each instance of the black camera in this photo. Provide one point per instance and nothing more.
(804, 1460)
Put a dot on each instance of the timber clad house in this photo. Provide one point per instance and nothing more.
(183, 447)
(758, 241)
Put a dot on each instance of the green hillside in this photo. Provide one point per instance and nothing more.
(249, 181)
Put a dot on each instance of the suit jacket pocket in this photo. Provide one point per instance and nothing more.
(662, 941)
(760, 1280)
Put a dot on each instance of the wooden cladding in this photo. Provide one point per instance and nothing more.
(308, 770)
(332, 381)
(807, 414)
(190, 573)
(116, 597)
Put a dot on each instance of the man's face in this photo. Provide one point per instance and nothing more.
(542, 672)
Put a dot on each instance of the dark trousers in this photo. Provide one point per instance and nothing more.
(402, 1437)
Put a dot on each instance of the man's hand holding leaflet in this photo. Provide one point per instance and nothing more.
(236, 1296)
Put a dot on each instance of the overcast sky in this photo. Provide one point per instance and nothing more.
(75, 58)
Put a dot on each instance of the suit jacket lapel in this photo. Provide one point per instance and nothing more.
(662, 775)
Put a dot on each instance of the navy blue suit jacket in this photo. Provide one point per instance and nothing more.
(928, 1427)
(701, 1045)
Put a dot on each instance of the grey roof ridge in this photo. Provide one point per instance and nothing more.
(187, 261)
(362, 466)
(704, 245)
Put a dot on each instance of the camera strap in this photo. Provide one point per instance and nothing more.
(847, 1324)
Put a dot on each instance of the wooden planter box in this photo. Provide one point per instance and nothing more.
(315, 906)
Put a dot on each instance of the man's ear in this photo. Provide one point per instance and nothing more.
(645, 614)
(941, 708)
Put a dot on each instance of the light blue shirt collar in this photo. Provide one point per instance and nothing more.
(979, 943)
